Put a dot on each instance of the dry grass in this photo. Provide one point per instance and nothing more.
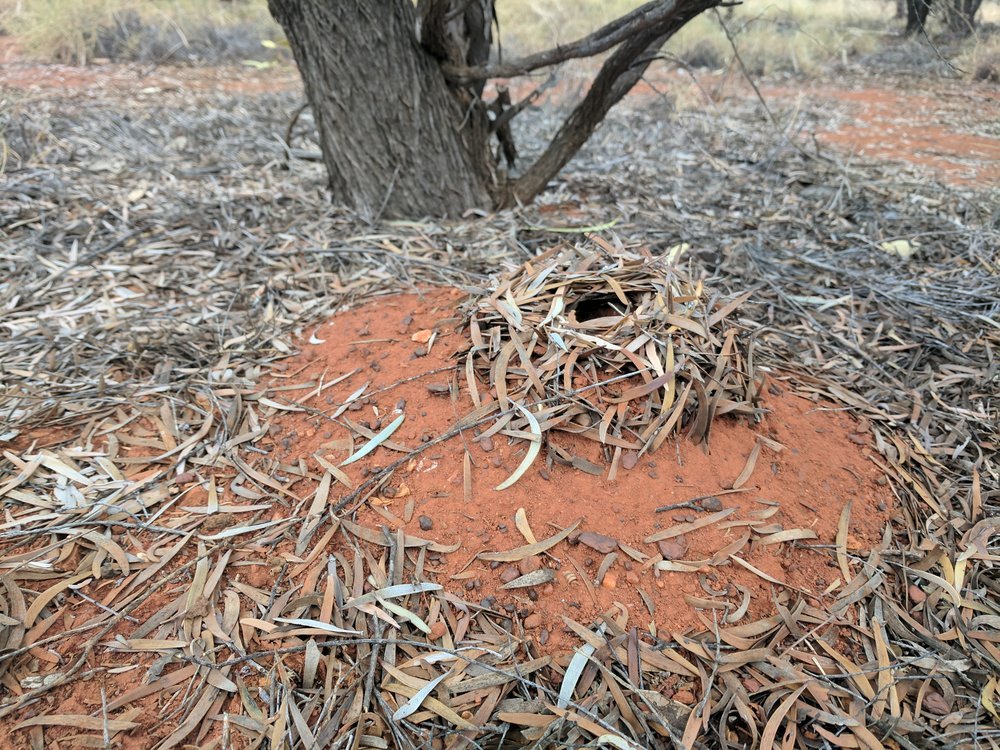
(792, 35)
(982, 58)
(800, 36)
(78, 31)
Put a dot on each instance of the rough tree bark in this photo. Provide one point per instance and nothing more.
(960, 15)
(389, 127)
(396, 90)
(916, 15)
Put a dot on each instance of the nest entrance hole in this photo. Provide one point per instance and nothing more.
(601, 305)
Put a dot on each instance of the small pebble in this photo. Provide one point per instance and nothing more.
(673, 549)
(426, 523)
(917, 594)
(487, 444)
(632, 577)
(438, 629)
(532, 621)
(529, 564)
(600, 542)
(935, 703)
(508, 574)
(711, 503)
(684, 696)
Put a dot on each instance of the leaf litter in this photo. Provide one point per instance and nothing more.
(140, 356)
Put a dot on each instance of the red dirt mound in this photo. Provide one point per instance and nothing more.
(722, 546)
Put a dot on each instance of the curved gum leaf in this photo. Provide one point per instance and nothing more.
(529, 457)
(376, 441)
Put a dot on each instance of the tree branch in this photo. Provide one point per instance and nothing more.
(616, 78)
(637, 21)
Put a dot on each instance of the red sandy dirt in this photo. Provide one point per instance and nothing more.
(822, 466)
(903, 126)
(138, 81)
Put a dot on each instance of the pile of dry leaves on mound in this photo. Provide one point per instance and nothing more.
(631, 324)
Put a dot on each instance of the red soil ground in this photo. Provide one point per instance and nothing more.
(823, 466)
(936, 129)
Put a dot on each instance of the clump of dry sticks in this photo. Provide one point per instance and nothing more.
(614, 345)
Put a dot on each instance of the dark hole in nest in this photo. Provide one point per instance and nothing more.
(593, 306)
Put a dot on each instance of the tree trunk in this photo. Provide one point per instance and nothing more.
(916, 15)
(396, 141)
(402, 125)
(962, 16)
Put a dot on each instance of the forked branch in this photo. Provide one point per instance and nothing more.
(622, 70)
(639, 21)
